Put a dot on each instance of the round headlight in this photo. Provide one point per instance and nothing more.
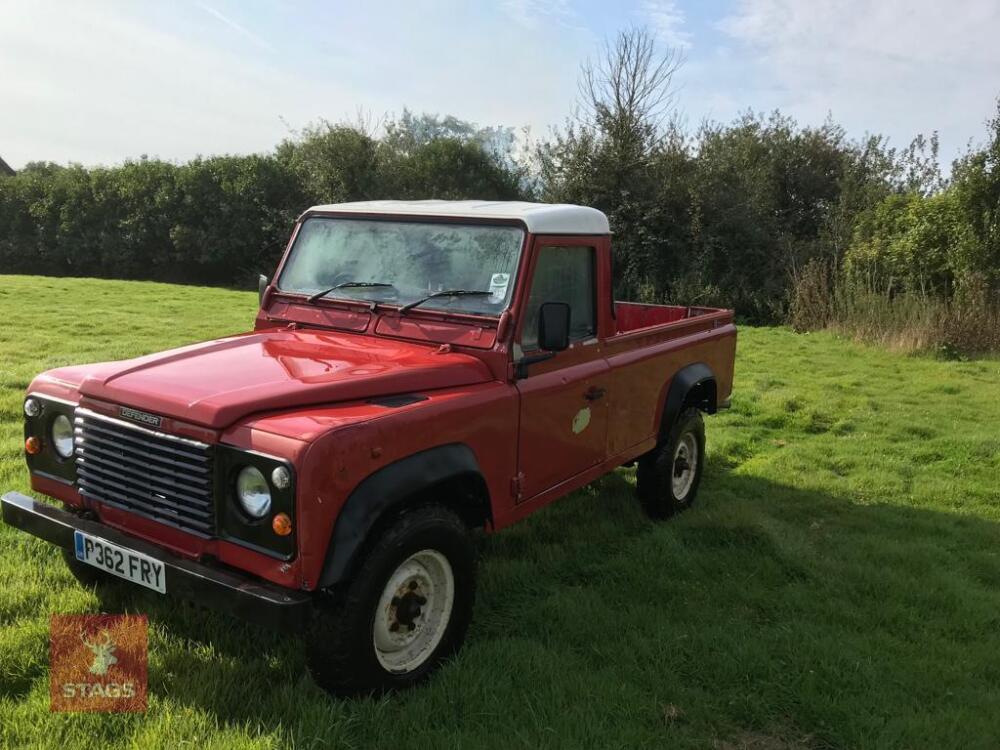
(32, 407)
(62, 436)
(252, 492)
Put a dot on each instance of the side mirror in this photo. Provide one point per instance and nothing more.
(553, 326)
(261, 288)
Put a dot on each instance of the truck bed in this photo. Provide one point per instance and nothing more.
(634, 316)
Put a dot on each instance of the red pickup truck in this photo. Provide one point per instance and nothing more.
(417, 371)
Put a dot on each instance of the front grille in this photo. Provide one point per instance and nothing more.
(162, 477)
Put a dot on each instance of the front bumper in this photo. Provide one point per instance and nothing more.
(213, 586)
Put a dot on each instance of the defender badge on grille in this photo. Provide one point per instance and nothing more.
(139, 416)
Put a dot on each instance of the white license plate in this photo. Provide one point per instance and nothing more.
(121, 561)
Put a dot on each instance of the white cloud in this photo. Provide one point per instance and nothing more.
(532, 14)
(237, 27)
(102, 81)
(90, 83)
(896, 66)
(667, 21)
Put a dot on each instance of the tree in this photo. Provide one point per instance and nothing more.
(618, 154)
(627, 93)
(334, 163)
(977, 185)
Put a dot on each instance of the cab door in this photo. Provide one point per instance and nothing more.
(563, 400)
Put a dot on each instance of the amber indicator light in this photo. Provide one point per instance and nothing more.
(32, 446)
(282, 524)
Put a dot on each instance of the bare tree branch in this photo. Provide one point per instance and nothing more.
(628, 88)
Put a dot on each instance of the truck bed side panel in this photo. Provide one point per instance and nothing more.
(644, 361)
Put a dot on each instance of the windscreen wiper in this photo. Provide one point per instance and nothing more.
(312, 299)
(446, 293)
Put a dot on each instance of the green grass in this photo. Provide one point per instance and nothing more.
(837, 585)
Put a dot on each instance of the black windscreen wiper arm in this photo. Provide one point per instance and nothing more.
(345, 285)
(447, 293)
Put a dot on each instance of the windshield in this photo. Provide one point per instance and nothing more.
(412, 259)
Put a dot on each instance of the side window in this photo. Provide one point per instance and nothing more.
(563, 274)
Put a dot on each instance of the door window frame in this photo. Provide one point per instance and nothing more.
(541, 243)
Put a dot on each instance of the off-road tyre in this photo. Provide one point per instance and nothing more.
(341, 653)
(660, 495)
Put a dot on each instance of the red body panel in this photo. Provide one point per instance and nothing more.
(216, 383)
(299, 387)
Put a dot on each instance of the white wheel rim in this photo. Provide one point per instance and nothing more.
(684, 466)
(413, 611)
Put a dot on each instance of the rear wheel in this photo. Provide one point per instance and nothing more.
(407, 608)
(668, 476)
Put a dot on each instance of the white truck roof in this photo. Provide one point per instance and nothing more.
(539, 218)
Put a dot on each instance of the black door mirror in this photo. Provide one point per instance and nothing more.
(553, 326)
(261, 287)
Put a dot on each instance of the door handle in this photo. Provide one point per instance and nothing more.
(594, 393)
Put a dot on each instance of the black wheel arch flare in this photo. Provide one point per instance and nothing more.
(388, 490)
(693, 385)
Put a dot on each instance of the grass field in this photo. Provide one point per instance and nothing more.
(838, 584)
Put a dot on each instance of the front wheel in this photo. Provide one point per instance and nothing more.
(406, 609)
(668, 476)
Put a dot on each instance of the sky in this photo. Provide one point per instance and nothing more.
(102, 81)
